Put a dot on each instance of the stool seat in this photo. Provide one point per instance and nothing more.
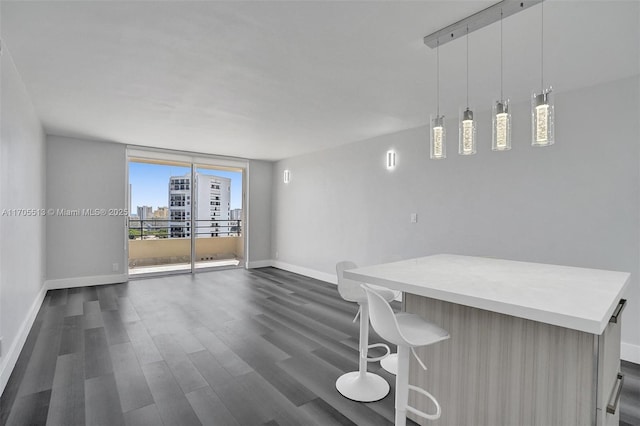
(417, 331)
(386, 294)
(361, 297)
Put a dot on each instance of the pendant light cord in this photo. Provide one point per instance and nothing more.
(542, 46)
(501, 63)
(467, 67)
(438, 79)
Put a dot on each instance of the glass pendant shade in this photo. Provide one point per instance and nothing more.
(467, 140)
(542, 118)
(438, 138)
(501, 140)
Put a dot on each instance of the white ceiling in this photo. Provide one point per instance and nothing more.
(274, 79)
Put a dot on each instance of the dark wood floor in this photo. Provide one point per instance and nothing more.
(630, 399)
(233, 347)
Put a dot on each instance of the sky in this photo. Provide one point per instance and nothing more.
(150, 183)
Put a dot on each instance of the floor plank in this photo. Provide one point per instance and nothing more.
(168, 395)
(97, 361)
(102, 403)
(185, 373)
(114, 327)
(210, 409)
(67, 401)
(133, 389)
(92, 317)
(30, 409)
(38, 376)
(17, 375)
(145, 416)
(72, 339)
(325, 414)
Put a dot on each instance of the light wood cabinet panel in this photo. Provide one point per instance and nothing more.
(498, 369)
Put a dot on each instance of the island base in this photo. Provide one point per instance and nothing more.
(498, 369)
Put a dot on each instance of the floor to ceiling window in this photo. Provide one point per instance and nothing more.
(185, 212)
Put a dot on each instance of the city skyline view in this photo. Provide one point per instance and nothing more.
(150, 182)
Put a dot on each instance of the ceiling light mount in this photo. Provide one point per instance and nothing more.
(477, 21)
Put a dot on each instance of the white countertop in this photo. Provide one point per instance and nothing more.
(577, 298)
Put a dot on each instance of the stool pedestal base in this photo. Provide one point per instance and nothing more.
(359, 387)
(390, 364)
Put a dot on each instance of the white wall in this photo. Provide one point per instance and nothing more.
(574, 203)
(84, 174)
(91, 175)
(259, 193)
(22, 239)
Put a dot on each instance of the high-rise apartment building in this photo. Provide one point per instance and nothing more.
(161, 213)
(235, 225)
(236, 214)
(212, 206)
(180, 206)
(145, 212)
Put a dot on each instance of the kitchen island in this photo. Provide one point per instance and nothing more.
(531, 344)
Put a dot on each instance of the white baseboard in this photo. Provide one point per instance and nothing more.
(85, 281)
(10, 357)
(629, 352)
(259, 264)
(307, 272)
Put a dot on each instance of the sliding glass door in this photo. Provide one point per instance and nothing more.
(218, 219)
(186, 213)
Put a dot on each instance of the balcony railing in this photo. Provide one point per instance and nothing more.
(141, 229)
(166, 242)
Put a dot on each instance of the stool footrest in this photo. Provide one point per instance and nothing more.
(417, 412)
(378, 345)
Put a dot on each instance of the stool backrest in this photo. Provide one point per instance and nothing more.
(382, 317)
(349, 289)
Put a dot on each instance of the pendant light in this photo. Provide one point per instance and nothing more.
(467, 139)
(542, 114)
(501, 137)
(438, 142)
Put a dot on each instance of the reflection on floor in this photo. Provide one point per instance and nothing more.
(182, 266)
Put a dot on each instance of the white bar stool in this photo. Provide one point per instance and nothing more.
(390, 363)
(408, 331)
(361, 385)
